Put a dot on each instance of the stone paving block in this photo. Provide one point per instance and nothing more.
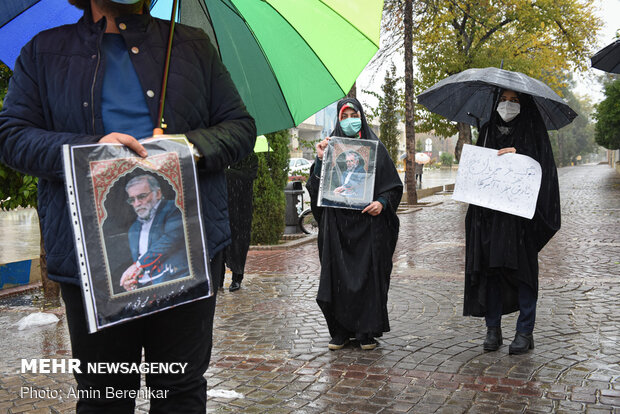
(22, 408)
(482, 409)
(599, 410)
(583, 398)
(613, 401)
(401, 407)
(280, 410)
(452, 410)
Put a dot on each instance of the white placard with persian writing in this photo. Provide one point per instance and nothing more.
(507, 183)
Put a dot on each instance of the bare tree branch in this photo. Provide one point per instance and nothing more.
(488, 34)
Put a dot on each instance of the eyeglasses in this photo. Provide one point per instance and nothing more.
(139, 197)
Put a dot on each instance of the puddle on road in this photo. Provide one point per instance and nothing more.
(19, 235)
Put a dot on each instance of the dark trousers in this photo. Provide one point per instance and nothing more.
(527, 306)
(181, 334)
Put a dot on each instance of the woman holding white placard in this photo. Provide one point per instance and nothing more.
(501, 263)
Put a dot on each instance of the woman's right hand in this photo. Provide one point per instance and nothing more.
(508, 150)
(320, 147)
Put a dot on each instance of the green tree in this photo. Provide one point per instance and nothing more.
(419, 146)
(608, 117)
(388, 111)
(543, 39)
(577, 138)
(269, 202)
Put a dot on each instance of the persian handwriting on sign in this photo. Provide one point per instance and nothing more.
(508, 183)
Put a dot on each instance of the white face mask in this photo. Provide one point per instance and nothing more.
(508, 110)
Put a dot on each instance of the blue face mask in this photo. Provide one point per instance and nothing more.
(351, 126)
(125, 1)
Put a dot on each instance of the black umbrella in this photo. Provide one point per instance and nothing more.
(608, 58)
(469, 96)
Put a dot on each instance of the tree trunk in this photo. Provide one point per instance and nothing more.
(51, 289)
(412, 195)
(464, 138)
(353, 92)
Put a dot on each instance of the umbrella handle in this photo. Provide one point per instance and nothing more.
(159, 129)
(476, 118)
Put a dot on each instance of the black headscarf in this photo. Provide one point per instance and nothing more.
(365, 130)
(528, 134)
(387, 177)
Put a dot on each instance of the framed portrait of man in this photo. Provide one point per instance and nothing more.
(139, 238)
(348, 173)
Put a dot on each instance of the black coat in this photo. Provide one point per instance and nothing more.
(503, 245)
(356, 250)
(240, 182)
(54, 98)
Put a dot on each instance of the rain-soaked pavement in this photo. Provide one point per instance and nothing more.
(271, 341)
(433, 177)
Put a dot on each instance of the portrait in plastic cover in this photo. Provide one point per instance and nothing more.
(348, 173)
(140, 243)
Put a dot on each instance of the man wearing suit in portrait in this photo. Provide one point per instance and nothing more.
(156, 237)
(352, 179)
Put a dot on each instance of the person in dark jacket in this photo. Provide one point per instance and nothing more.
(98, 81)
(501, 262)
(240, 182)
(356, 247)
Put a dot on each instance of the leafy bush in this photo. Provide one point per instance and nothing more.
(446, 159)
(269, 201)
(16, 189)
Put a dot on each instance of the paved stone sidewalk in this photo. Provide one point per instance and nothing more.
(271, 339)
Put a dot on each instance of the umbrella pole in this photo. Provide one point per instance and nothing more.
(159, 129)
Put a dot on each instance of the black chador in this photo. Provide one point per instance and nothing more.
(501, 264)
(356, 250)
(240, 185)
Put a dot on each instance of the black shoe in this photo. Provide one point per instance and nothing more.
(522, 344)
(368, 343)
(234, 286)
(493, 339)
(338, 342)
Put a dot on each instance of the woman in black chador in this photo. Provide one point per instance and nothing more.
(356, 247)
(501, 263)
(240, 185)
